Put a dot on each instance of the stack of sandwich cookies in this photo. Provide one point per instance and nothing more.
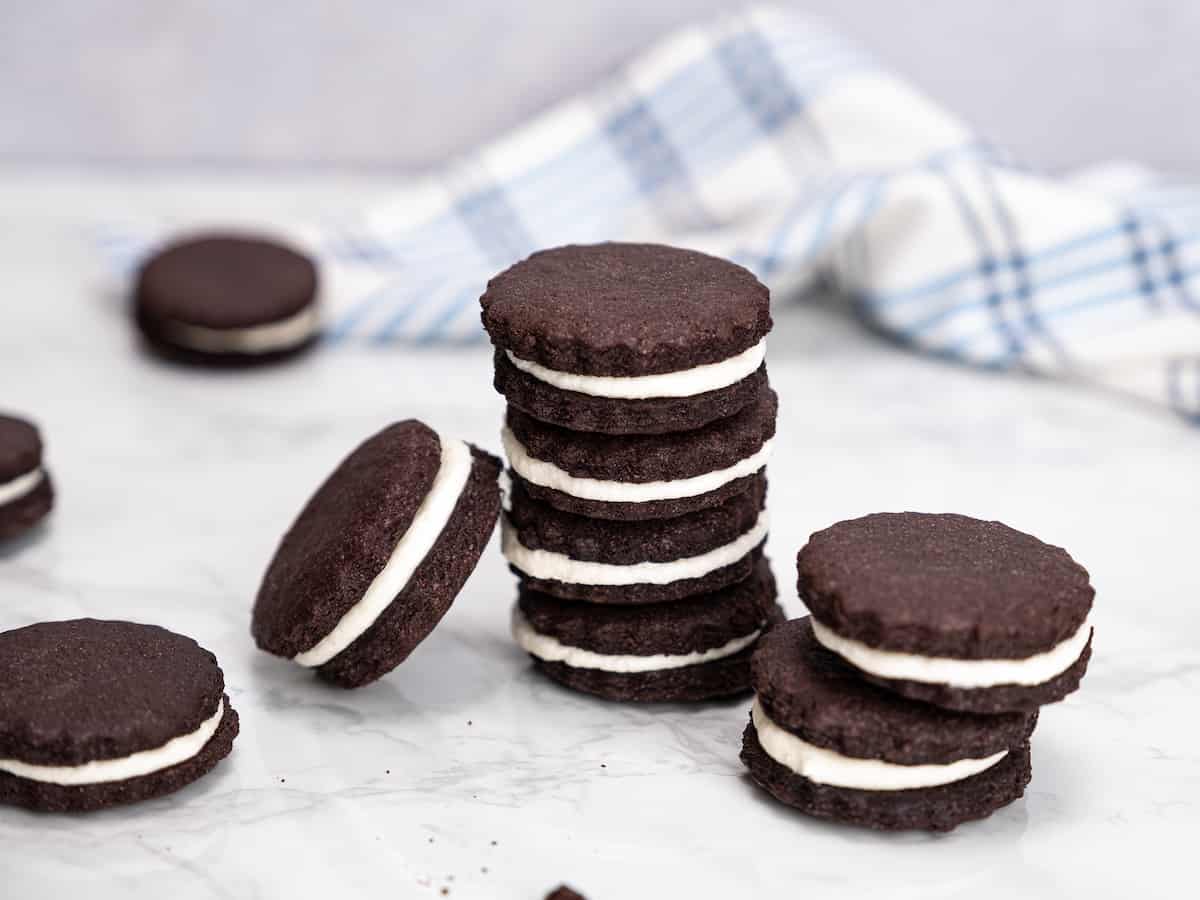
(638, 428)
(26, 493)
(228, 299)
(933, 642)
(378, 554)
(95, 714)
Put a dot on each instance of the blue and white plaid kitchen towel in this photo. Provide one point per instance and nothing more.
(765, 138)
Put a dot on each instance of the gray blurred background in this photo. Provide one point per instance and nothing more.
(389, 84)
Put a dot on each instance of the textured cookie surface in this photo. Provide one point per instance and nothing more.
(654, 415)
(938, 808)
(698, 623)
(655, 457)
(725, 677)
(433, 587)
(83, 690)
(943, 585)
(539, 526)
(694, 625)
(225, 281)
(643, 510)
(1001, 698)
(813, 694)
(345, 536)
(625, 309)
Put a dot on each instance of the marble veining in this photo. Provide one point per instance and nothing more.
(465, 771)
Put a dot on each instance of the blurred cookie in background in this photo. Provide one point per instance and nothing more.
(26, 493)
(228, 298)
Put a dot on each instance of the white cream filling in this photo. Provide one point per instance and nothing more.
(827, 767)
(684, 383)
(548, 475)
(274, 336)
(550, 649)
(173, 752)
(959, 673)
(430, 520)
(20, 486)
(550, 566)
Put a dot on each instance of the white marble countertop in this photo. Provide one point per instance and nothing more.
(464, 774)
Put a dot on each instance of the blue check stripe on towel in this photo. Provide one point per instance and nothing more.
(765, 138)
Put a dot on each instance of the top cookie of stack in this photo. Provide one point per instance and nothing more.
(628, 338)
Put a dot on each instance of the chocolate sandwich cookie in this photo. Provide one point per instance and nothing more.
(378, 554)
(227, 298)
(965, 614)
(26, 494)
(649, 561)
(95, 714)
(691, 649)
(826, 742)
(645, 476)
(628, 338)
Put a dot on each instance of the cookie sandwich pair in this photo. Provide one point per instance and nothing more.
(907, 699)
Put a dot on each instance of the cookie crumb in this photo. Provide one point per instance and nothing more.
(562, 892)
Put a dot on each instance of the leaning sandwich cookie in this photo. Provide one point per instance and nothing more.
(628, 338)
(691, 649)
(26, 493)
(378, 554)
(228, 298)
(824, 741)
(96, 714)
(962, 613)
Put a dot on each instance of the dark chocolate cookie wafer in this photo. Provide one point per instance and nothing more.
(966, 614)
(228, 298)
(834, 746)
(650, 415)
(650, 561)
(26, 493)
(95, 714)
(690, 649)
(627, 338)
(635, 477)
(378, 554)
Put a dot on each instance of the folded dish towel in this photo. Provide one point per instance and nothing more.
(764, 138)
